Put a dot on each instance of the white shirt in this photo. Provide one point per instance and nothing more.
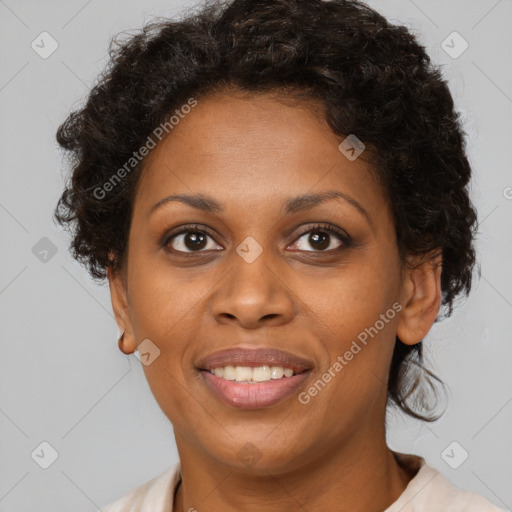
(428, 491)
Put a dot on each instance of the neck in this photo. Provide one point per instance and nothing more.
(361, 475)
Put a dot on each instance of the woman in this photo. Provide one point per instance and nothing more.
(277, 194)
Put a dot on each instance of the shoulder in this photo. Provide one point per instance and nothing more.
(457, 500)
(431, 491)
(155, 495)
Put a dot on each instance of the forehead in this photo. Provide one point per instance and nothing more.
(252, 149)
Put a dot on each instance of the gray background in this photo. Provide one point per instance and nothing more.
(62, 377)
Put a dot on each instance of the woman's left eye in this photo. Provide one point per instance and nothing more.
(321, 239)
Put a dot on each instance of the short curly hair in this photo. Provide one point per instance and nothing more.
(372, 78)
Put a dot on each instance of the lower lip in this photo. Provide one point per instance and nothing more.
(253, 396)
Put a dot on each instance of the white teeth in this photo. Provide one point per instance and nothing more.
(261, 373)
(252, 374)
(228, 373)
(276, 372)
(243, 373)
(288, 372)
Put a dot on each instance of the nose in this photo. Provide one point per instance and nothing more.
(253, 295)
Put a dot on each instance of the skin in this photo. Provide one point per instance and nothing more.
(251, 154)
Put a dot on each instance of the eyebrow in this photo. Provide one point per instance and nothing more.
(292, 205)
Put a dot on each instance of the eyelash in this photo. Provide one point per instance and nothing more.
(346, 240)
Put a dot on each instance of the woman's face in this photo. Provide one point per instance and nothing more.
(250, 278)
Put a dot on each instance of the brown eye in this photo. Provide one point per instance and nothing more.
(322, 239)
(190, 240)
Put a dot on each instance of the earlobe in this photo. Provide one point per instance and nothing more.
(121, 310)
(421, 298)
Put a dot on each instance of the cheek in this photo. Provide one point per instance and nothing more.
(352, 297)
(359, 340)
(163, 309)
(159, 297)
(356, 315)
(360, 333)
(168, 309)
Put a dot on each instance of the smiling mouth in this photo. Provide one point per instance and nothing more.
(247, 377)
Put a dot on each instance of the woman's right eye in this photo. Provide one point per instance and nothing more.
(190, 241)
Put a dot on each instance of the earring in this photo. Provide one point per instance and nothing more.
(120, 344)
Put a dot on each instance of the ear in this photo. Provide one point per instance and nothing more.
(119, 298)
(421, 297)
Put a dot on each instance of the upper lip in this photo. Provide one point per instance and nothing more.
(260, 356)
